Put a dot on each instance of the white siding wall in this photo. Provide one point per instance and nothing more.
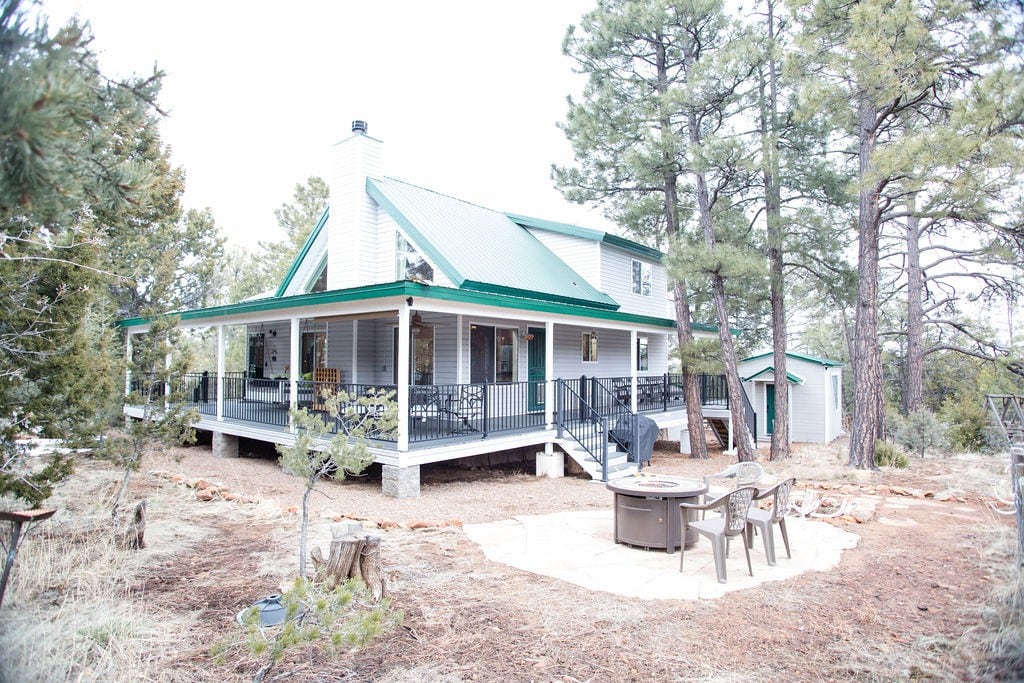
(353, 231)
(617, 276)
(582, 255)
(814, 417)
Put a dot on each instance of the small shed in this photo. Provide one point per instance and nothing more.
(815, 395)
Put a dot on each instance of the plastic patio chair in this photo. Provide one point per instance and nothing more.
(765, 520)
(720, 530)
(739, 474)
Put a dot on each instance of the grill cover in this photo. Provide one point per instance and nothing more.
(647, 434)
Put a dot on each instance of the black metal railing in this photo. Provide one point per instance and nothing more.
(1008, 411)
(576, 417)
(444, 411)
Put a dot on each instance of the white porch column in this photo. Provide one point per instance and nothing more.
(633, 364)
(460, 372)
(221, 364)
(402, 373)
(294, 363)
(355, 352)
(549, 374)
(128, 363)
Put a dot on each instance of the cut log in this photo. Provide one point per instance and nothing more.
(369, 567)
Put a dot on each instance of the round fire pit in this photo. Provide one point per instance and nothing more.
(647, 510)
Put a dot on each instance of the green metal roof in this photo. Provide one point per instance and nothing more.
(799, 356)
(303, 253)
(415, 289)
(481, 249)
(588, 234)
(795, 379)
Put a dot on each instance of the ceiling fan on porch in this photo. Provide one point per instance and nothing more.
(416, 323)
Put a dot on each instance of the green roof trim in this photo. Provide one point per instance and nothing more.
(303, 253)
(486, 287)
(415, 289)
(432, 253)
(795, 379)
(588, 234)
(799, 356)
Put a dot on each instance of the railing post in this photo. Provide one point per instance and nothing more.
(664, 392)
(604, 449)
(632, 442)
(560, 406)
(486, 405)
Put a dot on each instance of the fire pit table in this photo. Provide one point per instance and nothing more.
(647, 510)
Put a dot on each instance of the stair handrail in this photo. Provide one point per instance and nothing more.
(595, 406)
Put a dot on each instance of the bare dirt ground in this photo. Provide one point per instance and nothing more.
(896, 608)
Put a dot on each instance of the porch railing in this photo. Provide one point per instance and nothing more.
(440, 412)
(576, 416)
(444, 411)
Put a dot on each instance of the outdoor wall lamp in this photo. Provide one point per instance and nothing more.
(409, 301)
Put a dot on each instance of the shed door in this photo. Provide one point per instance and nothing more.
(769, 407)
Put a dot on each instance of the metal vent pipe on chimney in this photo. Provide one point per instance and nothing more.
(359, 127)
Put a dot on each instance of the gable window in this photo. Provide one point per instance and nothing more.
(409, 264)
(590, 347)
(643, 273)
(493, 354)
(641, 354)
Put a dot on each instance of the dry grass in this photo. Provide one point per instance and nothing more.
(78, 608)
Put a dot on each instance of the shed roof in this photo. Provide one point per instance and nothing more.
(825, 362)
(770, 370)
(480, 249)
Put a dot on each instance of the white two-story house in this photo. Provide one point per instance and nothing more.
(495, 331)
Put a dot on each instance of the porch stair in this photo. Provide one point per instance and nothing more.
(720, 426)
(618, 461)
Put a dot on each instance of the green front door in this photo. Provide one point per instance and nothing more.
(769, 400)
(536, 371)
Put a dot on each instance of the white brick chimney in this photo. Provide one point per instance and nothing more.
(352, 227)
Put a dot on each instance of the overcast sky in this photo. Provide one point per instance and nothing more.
(465, 94)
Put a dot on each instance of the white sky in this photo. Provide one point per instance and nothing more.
(465, 95)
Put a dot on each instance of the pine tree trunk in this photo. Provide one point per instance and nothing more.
(776, 237)
(913, 390)
(691, 391)
(868, 415)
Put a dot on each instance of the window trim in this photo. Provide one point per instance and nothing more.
(638, 287)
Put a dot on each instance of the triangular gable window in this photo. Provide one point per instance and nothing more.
(409, 264)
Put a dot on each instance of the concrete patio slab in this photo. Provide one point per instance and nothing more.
(579, 547)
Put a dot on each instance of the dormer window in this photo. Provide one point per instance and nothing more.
(409, 264)
(643, 273)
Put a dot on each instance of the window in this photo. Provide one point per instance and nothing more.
(493, 354)
(643, 273)
(590, 347)
(641, 353)
(835, 391)
(423, 355)
(421, 350)
(313, 351)
(409, 265)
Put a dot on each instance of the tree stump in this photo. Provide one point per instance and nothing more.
(369, 567)
(351, 555)
(134, 537)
